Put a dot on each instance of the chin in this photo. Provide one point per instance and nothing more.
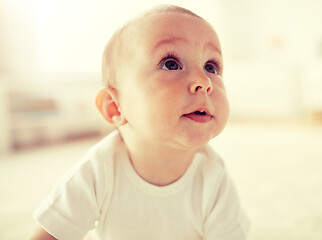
(200, 139)
(197, 140)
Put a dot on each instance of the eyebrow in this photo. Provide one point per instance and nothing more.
(213, 47)
(166, 41)
(172, 40)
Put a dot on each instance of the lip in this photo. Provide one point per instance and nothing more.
(200, 115)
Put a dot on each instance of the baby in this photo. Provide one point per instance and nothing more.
(155, 177)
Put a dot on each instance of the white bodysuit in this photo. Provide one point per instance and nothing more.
(103, 192)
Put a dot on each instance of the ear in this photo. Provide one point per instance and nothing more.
(108, 105)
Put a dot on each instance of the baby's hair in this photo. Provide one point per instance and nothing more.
(115, 46)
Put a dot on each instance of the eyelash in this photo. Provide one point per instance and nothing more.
(216, 65)
(171, 56)
(176, 58)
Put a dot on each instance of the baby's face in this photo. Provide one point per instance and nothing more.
(172, 90)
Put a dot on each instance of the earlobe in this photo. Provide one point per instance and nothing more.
(108, 105)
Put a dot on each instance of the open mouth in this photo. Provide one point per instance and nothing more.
(199, 116)
(203, 113)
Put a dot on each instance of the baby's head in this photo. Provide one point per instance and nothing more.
(162, 74)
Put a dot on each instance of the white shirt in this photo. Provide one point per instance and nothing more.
(104, 192)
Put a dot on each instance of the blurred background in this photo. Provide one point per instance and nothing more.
(50, 62)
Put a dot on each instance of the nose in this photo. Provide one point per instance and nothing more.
(200, 83)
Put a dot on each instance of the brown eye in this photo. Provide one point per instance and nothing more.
(170, 64)
(210, 67)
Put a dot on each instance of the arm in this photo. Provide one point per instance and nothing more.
(40, 234)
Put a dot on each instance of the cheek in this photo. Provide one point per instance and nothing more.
(219, 83)
(165, 93)
(131, 104)
(162, 105)
(226, 111)
(221, 104)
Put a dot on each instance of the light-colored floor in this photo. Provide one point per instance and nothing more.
(276, 168)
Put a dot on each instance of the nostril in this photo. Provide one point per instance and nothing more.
(201, 85)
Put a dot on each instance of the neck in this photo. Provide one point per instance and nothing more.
(158, 164)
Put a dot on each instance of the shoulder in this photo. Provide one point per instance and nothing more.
(102, 153)
(210, 177)
(213, 179)
(96, 167)
(87, 186)
(222, 213)
(106, 148)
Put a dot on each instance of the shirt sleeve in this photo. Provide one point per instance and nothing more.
(72, 209)
(225, 218)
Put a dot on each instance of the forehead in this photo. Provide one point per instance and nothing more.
(157, 29)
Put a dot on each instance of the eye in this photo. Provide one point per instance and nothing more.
(170, 63)
(211, 67)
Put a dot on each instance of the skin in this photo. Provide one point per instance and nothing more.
(153, 101)
(40, 234)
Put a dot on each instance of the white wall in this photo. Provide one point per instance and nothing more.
(18, 42)
(273, 52)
